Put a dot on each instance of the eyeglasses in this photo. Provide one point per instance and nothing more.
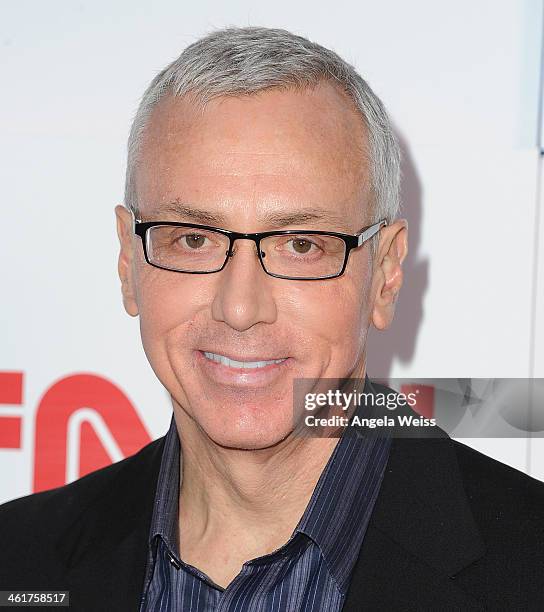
(289, 254)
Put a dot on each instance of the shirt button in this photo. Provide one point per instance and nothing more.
(173, 561)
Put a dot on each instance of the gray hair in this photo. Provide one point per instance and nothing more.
(242, 61)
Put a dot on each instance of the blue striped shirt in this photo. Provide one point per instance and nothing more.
(310, 573)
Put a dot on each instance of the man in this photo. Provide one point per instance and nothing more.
(259, 242)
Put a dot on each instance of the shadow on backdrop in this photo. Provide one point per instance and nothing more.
(399, 341)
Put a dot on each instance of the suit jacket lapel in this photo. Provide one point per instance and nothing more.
(421, 533)
(105, 550)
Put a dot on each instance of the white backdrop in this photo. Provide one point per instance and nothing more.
(462, 84)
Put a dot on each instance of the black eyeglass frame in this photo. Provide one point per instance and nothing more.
(352, 241)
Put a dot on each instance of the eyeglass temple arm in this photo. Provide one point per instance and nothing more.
(370, 231)
(134, 218)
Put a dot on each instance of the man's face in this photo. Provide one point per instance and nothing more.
(276, 160)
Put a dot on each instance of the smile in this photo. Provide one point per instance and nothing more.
(248, 365)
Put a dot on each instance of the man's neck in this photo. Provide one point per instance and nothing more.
(236, 505)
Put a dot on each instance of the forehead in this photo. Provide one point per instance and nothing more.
(277, 147)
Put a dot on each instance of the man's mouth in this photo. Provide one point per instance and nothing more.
(248, 365)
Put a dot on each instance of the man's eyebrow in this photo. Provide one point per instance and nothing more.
(302, 216)
(190, 213)
(275, 219)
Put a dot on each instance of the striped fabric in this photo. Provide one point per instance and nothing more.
(310, 573)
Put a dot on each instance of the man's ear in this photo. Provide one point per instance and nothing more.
(388, 275)
(126, 253)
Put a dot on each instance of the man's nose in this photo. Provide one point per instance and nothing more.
(244, 291)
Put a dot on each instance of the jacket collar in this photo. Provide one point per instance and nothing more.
(422, 531)
(104, 550)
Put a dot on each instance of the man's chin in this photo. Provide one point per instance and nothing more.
(247, 430)
(248, 443)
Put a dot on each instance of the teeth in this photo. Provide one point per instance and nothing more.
(240, 364)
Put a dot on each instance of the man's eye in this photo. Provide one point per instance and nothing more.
(194, 241)
(302, 246)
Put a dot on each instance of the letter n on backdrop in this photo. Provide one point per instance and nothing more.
(83, 422)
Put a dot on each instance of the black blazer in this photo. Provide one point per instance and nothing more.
(452, 529)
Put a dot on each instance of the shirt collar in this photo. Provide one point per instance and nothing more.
(164, 522)
(339, 510)
(336, 516)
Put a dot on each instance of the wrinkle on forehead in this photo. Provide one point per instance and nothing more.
(308, 136)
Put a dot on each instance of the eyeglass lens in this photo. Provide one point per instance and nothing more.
(294, 255)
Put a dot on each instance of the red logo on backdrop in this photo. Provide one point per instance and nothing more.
(83, 422)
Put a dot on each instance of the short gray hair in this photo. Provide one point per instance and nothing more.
(241, 61)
